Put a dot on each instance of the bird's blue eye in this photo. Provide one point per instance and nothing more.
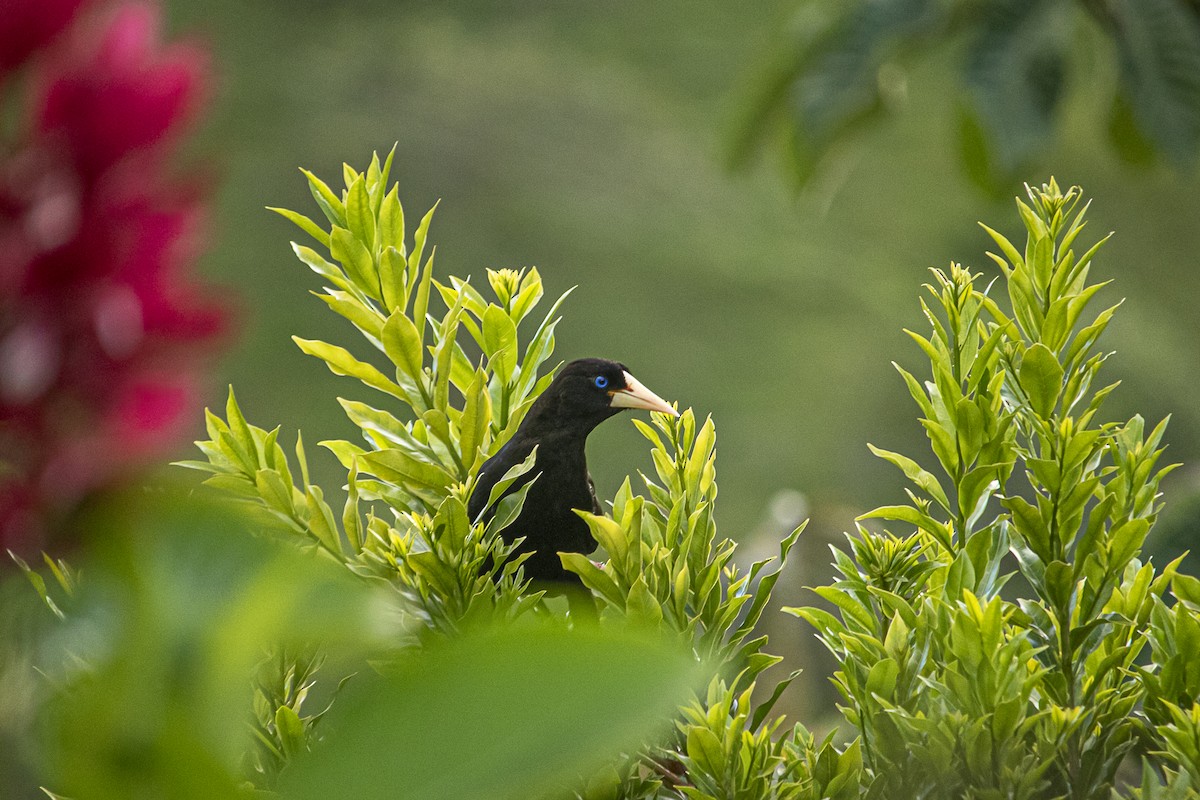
(601, 381)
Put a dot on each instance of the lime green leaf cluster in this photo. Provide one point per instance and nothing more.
(954, 688)
(731, 754)
(66, 581)
(456, 409)
(667, 568)
(441, 417)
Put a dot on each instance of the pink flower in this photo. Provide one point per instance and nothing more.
(102, 336)
(122, 95)
(27, 26)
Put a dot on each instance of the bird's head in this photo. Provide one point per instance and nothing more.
(590, 390)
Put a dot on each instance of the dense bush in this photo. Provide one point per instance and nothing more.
(970, 673)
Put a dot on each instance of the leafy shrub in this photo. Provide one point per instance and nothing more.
(405, 519)
(968, 673)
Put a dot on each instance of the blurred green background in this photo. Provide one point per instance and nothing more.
(588, 140)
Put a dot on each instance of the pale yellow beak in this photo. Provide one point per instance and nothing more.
(635, 395)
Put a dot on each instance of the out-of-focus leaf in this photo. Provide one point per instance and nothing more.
(179, 605)
(830, 81)
(1015, 71)
(1158, 42)
(509, 713)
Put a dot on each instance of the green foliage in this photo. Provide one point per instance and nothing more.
(665, 565)
(180, 605)
(734, 754)
(1042, 691)
(512, 712)
(997, 633)
(405, 521)
(846, 67)
(171, 621)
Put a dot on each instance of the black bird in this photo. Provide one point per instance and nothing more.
(584, 394)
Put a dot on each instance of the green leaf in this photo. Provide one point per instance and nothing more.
(477, 413)
(340, 362)
(291, 730)
(593, 577)
(881, 680)
(402, 343)
(274, 492)
(421, 301)
(320, 520)
(521, 712)
(399, 467)
(360, 217)
(641, 606)
(361, 315)
(705, 749)
(323, 268)
(330, 205)
(508, 508)
(356, 260)
(500, 342)
(1041, 378)
(303, 223)
(414, 258)
(608, 534)
(969, 426)
(239, 429)
(528, 296)
(1126, 540)
(1029, 523)
(1006, 247)
(391, 221)
(510, 477)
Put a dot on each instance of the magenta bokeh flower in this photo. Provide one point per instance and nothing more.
(102, 335)
(27, 26)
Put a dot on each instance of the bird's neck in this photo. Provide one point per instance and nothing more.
(547, 423)
(565, 438)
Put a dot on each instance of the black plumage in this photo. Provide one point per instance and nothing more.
(583, 394)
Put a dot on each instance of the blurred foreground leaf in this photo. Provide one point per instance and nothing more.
(504, 713)
(177, 608)
(839, 66)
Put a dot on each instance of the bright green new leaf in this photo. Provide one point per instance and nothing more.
(399, 467)
(391, 221)
(360, 216)
(303, 223)
(354, 257)
(402, 343)
(500, 342)
(340, 362)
